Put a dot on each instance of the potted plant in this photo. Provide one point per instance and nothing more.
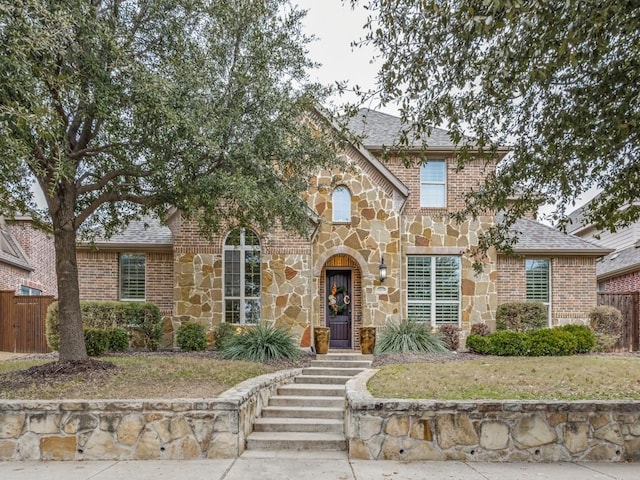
(321, 336)
(367, 340)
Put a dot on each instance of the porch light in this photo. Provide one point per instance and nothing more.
(383, 270)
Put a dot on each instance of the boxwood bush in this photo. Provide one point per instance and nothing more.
(191, 336)
(141, 318)
(96, 340)
(521, 316)
(566, 340)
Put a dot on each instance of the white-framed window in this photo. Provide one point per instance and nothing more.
(433, 183)
(24, 290)
(341, 200)
(132, 276)
(433, 289)
(242, 277)
(538, 285)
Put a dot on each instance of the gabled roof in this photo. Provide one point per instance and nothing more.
(11, 253)
(620, 262)
(538, 239)
(378, 130)
(139, 233)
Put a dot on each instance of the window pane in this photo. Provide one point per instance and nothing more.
(537, 273)
(447, 278)
(432, 195)
(419, 278)
(433, 171)
(252, 311)
(232, 311)
(252, 274)
(420, 312)
(341, 204)
(242, 277)
(232, 273)
(447, 313)
(132, 281)
(233, 238)
(250, 238)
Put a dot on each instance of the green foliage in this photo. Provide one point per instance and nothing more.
(450, 335)
(544, 77)
(96, 341)
(136, 318)
(223, 333)
(191, 336)
(566, 340)
(583, 335)
(118, 339)
(481, 329)
(261, 343)
(409, 337)
(521, 316)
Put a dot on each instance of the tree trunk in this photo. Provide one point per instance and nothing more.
(72, 346)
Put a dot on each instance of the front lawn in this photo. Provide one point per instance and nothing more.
(580, 377)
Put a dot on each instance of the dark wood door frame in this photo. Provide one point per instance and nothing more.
(339, 309)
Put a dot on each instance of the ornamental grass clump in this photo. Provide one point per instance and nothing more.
(261, 343)
(410, 337)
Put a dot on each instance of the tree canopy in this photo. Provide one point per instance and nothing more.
(558, 82)
(121, 107)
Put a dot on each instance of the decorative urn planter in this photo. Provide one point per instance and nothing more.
(321, 336)
(367, 340)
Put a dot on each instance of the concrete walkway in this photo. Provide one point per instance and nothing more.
(281, 465)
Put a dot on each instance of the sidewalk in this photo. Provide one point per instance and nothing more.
(312, 465)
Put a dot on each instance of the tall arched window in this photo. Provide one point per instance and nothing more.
(341, 204)
(242, 277)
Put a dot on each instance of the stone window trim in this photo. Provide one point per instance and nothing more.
(538, 284)
(341, 205)
(132, 268)
(433, 184)
(430, 296)
(242, 275)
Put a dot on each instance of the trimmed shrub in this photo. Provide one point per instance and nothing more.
(96, 340)
(118, 339)
(138, 318)
(477, 343)
(410, 337)
(508, 343)
(191, 336)
(260, 343)
(481, 329)
(551, 342)
(583, 335)
(450, 335)
(607, 324)
(521, 316)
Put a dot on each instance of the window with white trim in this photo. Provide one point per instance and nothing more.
(242, 277)
(537, 281)
(341, 199)
(433, 184)
(433, 289)
(132, 276)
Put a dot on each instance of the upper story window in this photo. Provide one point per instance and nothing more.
(132, 276)
(433, 289)
(433, 184)
(24, 290)
(341, 204)
(537, 282)
(242, 277)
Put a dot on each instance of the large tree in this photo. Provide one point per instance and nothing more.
(118, 108)
(559, 82)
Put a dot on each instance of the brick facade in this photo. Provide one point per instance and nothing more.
(629, 282)
(39, 248)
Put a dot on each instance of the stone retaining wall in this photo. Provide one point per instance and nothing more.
(496, 431)
(136, 430)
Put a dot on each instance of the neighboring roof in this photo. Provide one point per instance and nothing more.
(537, 238)
(619, 263)
(377, 130)
(11, 253)
(144, 232)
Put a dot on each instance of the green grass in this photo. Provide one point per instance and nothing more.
(520, 378)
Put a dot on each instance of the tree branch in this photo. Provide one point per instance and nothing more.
(112, 197)
(105, 179)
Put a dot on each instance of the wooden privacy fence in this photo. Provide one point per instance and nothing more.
(22, 322)
(629, 306)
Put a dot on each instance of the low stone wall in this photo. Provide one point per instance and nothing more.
(136, 430)
(496, 431)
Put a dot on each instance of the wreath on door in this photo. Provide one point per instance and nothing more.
(338, 304)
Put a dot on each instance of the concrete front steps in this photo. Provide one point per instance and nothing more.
(309, 413)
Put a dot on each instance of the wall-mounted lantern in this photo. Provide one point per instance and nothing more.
(383, 270)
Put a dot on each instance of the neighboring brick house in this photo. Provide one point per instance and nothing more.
(619, 271)
(27, 258)
(372, 214)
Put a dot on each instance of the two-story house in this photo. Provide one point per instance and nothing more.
(383, 249)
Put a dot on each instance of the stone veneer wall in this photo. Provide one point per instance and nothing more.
(136, 429)
(497, 431)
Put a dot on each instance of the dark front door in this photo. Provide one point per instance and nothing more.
(339, 308)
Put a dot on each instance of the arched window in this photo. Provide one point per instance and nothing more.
(242, 277)
(341, 204)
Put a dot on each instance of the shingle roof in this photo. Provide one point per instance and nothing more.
(377, 130)
(534, 237)
(622, 260)
(146, 231)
